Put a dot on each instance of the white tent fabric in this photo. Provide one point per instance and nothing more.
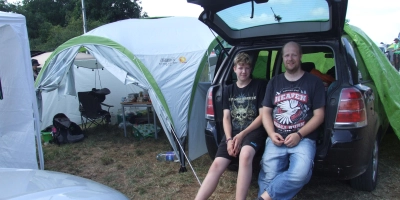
(85, 79)
(165, 56)
(19, 117)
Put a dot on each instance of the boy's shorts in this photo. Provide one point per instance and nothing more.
(255, 139)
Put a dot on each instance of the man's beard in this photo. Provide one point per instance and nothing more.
(294, 70)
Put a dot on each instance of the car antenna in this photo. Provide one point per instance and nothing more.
(277, 17)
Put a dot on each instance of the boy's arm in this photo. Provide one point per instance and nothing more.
(226, 122)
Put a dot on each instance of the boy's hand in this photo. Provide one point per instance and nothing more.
(237, 141)
(229, 146)
(277, 139)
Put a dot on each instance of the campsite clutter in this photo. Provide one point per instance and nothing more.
(85, 80)
(168, 156)
(164, 65)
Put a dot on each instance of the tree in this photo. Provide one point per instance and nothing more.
(52, 22)
(113, 10)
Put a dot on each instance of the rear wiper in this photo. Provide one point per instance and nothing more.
(252, 10)
(277, 17)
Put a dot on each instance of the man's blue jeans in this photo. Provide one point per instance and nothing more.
(285, 170)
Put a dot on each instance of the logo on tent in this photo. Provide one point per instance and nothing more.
(182, 59)
(167, 61)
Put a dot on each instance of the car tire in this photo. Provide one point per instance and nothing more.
(368, 180)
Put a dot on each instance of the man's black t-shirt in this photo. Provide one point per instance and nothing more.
(244, 104)
(293, 102)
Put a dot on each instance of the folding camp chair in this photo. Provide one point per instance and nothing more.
(90, 107)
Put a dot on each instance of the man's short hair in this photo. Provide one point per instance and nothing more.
(295, 43)
(242, 58)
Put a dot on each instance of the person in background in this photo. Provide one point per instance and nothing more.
(244, 134)
(396, 54)
(35, 69)
(293, 109)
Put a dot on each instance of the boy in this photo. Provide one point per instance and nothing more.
(244, 135)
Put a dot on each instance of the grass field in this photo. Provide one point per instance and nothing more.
(129, 165)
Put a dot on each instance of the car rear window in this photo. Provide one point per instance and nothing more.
(274, 11)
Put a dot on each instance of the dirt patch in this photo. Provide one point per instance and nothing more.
(129, 165)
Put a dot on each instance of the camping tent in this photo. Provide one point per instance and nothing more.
(165, 56)
(81, 60)
(88, 74)
(19, 118)
(385, 76)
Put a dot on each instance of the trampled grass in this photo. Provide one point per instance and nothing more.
(129, 165)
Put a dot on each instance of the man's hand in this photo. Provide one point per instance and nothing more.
(277, 139)
(292, 140)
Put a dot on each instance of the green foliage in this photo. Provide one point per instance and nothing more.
(51, 23)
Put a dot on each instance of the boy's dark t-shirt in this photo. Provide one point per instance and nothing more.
(244, 104)
(293, 102)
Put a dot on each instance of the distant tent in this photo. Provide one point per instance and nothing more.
(385, 76)
(166, 56)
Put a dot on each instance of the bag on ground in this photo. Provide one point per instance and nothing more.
(65, 130)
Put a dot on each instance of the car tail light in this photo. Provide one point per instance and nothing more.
(209, 104)
(351, 109)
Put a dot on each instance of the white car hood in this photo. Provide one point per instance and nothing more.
(18, 184)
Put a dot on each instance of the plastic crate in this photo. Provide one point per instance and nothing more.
(46, 136)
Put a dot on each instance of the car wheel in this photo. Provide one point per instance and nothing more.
(367, 181)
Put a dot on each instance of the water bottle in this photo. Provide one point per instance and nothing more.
(167, 156)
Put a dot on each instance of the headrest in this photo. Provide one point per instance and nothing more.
(307, 66)
(103, 91)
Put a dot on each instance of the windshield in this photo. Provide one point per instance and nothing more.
(275, 11)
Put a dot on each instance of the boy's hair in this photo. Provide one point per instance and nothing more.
(242, 58)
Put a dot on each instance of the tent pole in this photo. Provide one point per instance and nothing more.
(84, 16)
(183, 152)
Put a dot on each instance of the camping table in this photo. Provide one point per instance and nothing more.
(139, 104)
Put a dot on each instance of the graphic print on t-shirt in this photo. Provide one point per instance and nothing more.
(290, 111)
(243, 111)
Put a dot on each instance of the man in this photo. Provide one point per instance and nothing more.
(35, 69)
(244, 135)
(293, 109)
(396, 54)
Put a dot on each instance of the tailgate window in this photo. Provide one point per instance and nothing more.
(274, 11)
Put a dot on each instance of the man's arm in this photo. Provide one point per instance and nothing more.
(294, 138)
(314, 122)
(268, 123)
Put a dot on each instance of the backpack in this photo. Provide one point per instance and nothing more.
(66, 131)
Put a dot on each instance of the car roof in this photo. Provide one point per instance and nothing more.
(244, 21)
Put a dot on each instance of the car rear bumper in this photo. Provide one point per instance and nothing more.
(347, 156)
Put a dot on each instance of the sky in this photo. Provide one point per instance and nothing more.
(379, 19)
